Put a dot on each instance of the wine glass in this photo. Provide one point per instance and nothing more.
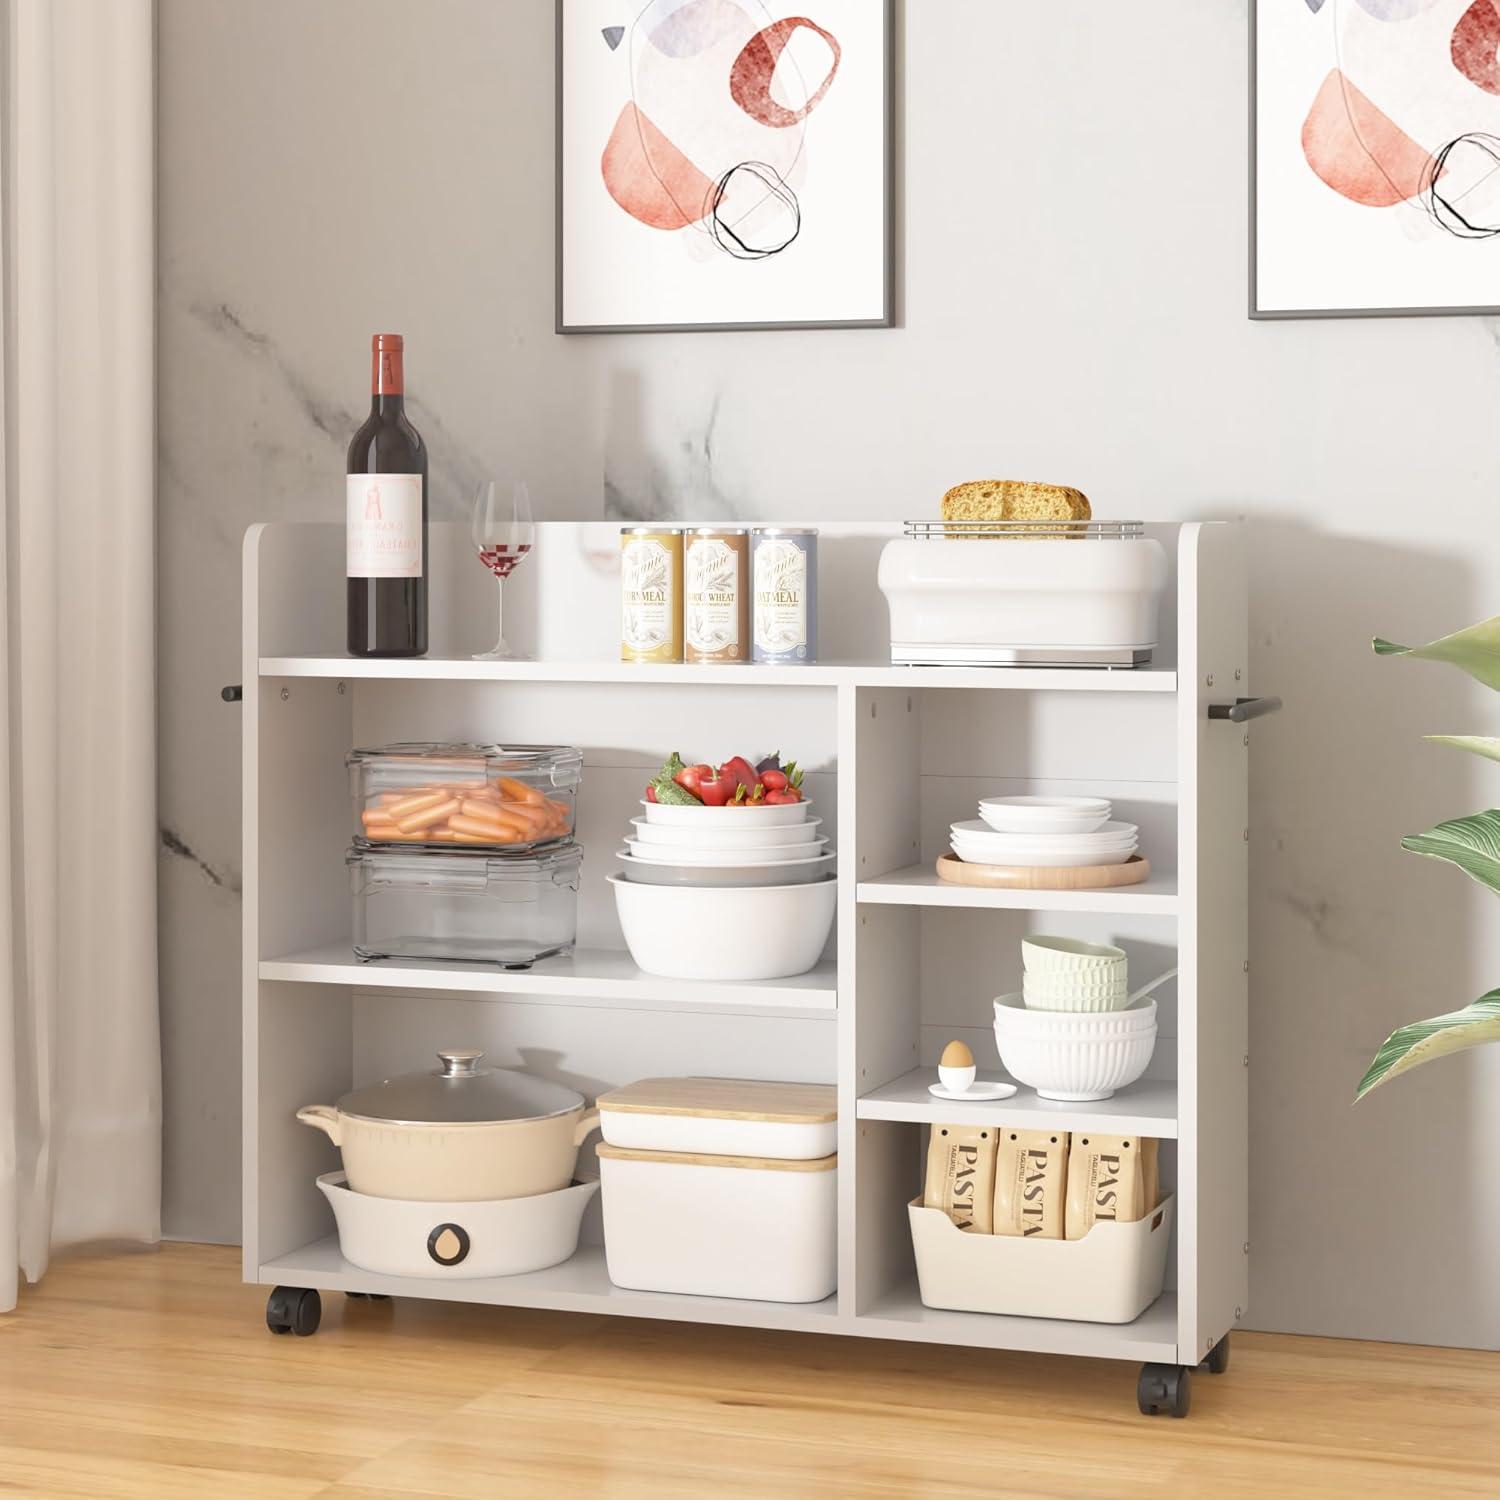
(503, 533)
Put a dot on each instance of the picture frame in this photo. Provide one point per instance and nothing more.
(1309, 217)
(786, 219)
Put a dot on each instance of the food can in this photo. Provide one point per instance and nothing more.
(786, 594)
(716, 594)
(650, 593)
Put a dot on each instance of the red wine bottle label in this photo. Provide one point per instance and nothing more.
(384, 514)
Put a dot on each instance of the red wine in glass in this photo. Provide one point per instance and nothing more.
(503, 533)
(503, 559)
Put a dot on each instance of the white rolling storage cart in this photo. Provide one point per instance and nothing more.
(894, 755)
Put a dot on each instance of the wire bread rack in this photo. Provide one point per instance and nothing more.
(1089, 531)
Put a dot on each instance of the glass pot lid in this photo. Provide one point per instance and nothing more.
(460, 1092)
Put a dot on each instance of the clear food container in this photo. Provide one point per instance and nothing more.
(465, 907)
(474, 796)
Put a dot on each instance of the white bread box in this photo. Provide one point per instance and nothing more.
(757, 1227)
(723, 1116)
(1086, 596)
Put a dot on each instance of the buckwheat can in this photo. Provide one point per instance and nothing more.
(716, 594)
(785, 606)
(650, 593)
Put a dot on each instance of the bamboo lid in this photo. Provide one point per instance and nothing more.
(726, 1099)
(702, 1159)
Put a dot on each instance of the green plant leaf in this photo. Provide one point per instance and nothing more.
(1476, 650)
(1422, 1041)
(1471, 843)
(1475, 744)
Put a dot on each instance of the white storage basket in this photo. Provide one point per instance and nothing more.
(720, 1226)
(1112, 1275)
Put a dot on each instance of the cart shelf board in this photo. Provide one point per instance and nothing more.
(815, 674)
(1148, 1107)
(603, 974)
(919, 885)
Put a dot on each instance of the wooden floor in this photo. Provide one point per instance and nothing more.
(152, 1374)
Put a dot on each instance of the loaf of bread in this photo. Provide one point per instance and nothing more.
(1014, 500)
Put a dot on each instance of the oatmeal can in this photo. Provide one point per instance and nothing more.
(716, 594)
(650, 593)
(785, 586)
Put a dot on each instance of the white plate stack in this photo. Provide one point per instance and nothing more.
(1051, 832)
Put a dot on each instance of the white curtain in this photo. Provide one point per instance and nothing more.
(80, 1070)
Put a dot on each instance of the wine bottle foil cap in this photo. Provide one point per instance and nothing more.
(387, 341)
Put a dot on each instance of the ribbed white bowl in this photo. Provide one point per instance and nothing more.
(1055, 954)
(1075, 1069)
(1013, 1015)
(1082, 995)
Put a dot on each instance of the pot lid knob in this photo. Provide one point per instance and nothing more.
(459, 1062)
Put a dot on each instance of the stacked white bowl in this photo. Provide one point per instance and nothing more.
(716, 846)
(726, 893)
(1048, 831)
(1072, 1033)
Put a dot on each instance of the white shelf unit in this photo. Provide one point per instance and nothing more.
(895, 754)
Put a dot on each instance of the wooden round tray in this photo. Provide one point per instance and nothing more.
(1044, 877)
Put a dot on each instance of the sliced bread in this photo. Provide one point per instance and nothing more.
(1014, 500)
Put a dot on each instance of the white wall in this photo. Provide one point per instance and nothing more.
(1073, 289)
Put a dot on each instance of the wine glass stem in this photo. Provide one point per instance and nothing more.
(499, 613)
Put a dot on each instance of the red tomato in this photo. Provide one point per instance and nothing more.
(773, 781)
(783, 798)
(691, 779)
(715, 793)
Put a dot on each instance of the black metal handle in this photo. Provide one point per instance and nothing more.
(1244, 708)
(233, 693)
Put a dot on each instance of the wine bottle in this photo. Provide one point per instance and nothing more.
(386, 516)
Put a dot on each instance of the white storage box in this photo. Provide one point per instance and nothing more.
(723, 1116)
(720, 1226)
(984, 597)
(1112, 1275)
(504, 1237)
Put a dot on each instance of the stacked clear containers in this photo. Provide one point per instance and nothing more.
(465, 853)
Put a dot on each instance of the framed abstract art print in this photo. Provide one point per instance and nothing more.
(1376, 174)
(723, 164)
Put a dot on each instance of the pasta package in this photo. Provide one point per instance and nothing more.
(1031, 1183)
(1150, 1174)
(961, 1175)
(1105, 1182)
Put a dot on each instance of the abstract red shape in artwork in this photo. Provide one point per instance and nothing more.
(649, 177)
(750, 77)
(1475, 44)
(1358, 150)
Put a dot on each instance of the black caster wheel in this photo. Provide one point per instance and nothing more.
(1217, 1360)
(1164, 1388)
(294, 1309)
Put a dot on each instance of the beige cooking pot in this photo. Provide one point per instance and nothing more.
(461, 1133)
